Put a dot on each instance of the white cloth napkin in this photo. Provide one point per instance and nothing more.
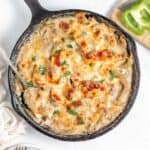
(11, 125)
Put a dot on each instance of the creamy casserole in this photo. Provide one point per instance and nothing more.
(84, 70)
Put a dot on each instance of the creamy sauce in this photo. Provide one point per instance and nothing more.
(85, 72)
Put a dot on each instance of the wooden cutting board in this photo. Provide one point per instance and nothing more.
(143, 39)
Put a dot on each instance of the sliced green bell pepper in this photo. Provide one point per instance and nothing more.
(137, 17)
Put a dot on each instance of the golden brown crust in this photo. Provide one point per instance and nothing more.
(84, 69)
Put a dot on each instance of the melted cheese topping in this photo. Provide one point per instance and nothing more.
(85, 72)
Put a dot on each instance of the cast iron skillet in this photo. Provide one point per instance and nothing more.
(38, 14)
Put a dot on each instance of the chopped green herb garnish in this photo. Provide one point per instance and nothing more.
(66, 73)
(113, 52)
(29, 84)
(56, 112)
(91, 64)
(80, 120)
(63, 39)
(72, 112)
(111, 75)
(33, 58)
(71, 38)
(101, 81)
(42, 70)
(64, 63)
(58, 51)
(50, 57)
(69, 46)
(87, 23)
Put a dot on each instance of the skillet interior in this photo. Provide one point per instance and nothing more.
(17, 101)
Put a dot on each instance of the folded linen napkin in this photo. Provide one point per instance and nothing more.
(11, 125)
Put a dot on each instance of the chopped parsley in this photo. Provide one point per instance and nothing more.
(80, 120)
(101, 81)
(113, 52)
(64, 63)
(63, 39)
(111, 75)
(56, 112)
(42, 70)
(72, 112)
(29, 84)
(69, 46)
(33, 58)
(87, 23)
(50, 58)
(58, 51)
(71, 38)
(91, 64)
(66, 73)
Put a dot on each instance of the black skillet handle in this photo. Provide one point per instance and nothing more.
(35, 7)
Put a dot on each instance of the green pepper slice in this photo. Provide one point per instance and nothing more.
(137, 17)
(129, 22)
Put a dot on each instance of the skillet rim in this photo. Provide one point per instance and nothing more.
(135, 80)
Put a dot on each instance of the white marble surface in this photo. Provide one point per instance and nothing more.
(133, 132)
